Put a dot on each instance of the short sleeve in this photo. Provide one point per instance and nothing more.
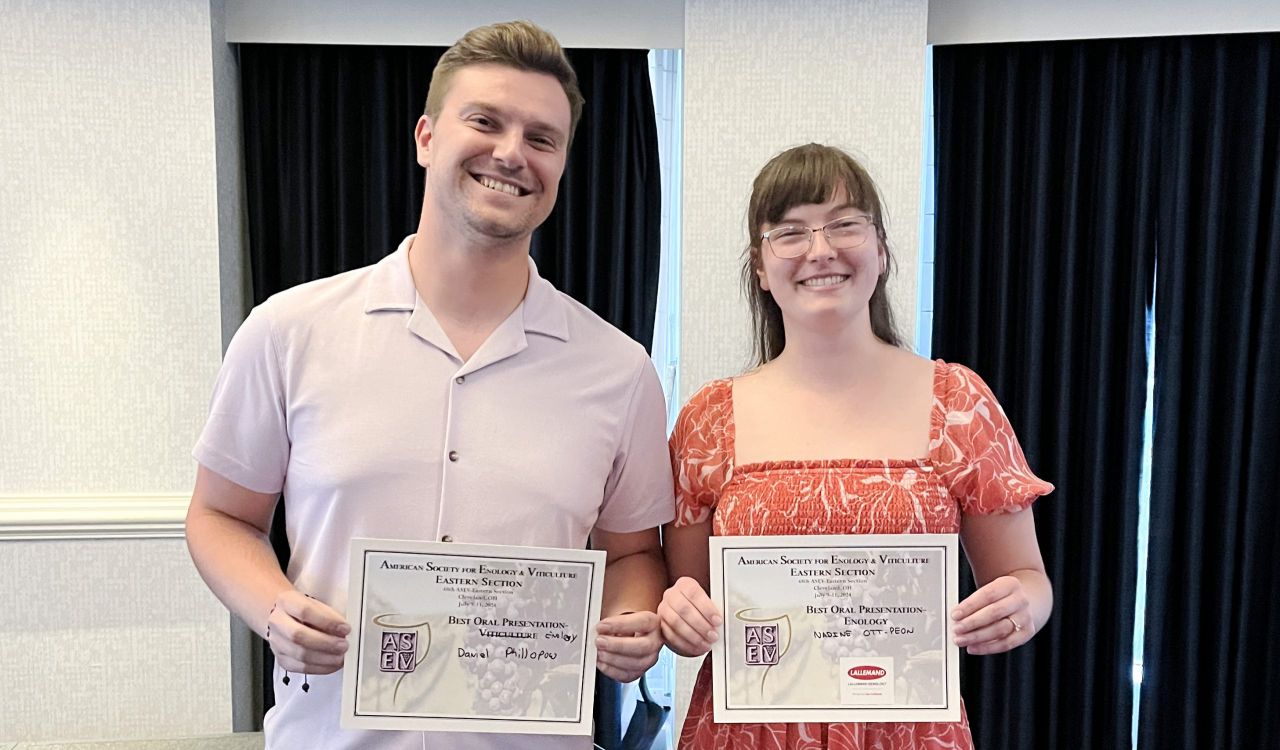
(246, 436)
(701, 456)
(638, 492)
(976, 451)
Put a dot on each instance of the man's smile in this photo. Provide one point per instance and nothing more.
(502, 186)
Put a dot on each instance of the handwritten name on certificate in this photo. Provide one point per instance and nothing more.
(835, 628)
(471, 638)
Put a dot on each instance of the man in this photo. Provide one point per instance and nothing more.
(446, 392)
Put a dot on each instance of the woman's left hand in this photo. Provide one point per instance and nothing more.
(995, 618)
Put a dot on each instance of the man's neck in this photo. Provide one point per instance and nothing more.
(469, 289)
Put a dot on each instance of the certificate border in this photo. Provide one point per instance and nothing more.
(352, 718)
(726, 714)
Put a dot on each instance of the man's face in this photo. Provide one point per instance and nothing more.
(495, 152)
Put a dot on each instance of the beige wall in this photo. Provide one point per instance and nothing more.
(109, 343)
(108, 274)
(762, 75)
(109, 639)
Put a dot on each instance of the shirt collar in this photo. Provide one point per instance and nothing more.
(390, 287)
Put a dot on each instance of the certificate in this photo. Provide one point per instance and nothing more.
(835, 628)
(471, 638)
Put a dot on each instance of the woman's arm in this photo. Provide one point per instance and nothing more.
(688, 616)
(685, 548)
(1014, 596)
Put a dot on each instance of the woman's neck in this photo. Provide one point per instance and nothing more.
(831, 358)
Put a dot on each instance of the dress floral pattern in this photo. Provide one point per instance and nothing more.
(974, 466)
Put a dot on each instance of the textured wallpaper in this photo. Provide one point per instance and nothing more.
(110, 639)
(108, 244)
(109, 343)
(764, 75)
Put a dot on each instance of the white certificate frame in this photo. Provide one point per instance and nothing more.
(720, 546)
(592, 562)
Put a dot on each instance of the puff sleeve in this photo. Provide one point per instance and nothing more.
(701, 452)
(976, 452)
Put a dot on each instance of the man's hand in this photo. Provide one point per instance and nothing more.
(627, 645)
(306, 635)
(689, 618)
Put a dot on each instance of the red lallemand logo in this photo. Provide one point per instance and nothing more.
(867, 672)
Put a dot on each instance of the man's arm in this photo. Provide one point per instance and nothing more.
(227, 528)
(634, 574)
(634, 579)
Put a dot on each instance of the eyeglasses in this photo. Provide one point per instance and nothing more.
(793, 240)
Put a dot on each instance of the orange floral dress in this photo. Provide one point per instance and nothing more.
(974, 466)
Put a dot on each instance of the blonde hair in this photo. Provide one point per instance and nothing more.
(515, 44)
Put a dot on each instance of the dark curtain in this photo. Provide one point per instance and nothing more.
(1044, 247)
(1213, 603)
(332, 184)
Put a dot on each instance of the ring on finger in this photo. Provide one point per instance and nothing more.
(1016, 627)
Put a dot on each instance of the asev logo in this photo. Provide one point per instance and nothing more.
(399, 651)
(762, 645)
(867, 672)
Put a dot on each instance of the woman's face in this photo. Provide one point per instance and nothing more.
(825, 285)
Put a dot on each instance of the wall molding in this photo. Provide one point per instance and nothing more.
(610, 24)
(102, 516)
(986, 21)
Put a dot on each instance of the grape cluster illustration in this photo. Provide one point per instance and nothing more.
(523, 684)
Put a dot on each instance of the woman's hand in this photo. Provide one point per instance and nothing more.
(995, 618)
(688, 618)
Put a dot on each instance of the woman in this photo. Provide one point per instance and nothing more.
(841, 430)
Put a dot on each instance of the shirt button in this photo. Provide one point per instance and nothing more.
(446, 538)
(453, 455)
(460, 379)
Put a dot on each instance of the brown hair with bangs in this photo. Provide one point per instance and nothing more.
(516, 44)
(808, 174)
